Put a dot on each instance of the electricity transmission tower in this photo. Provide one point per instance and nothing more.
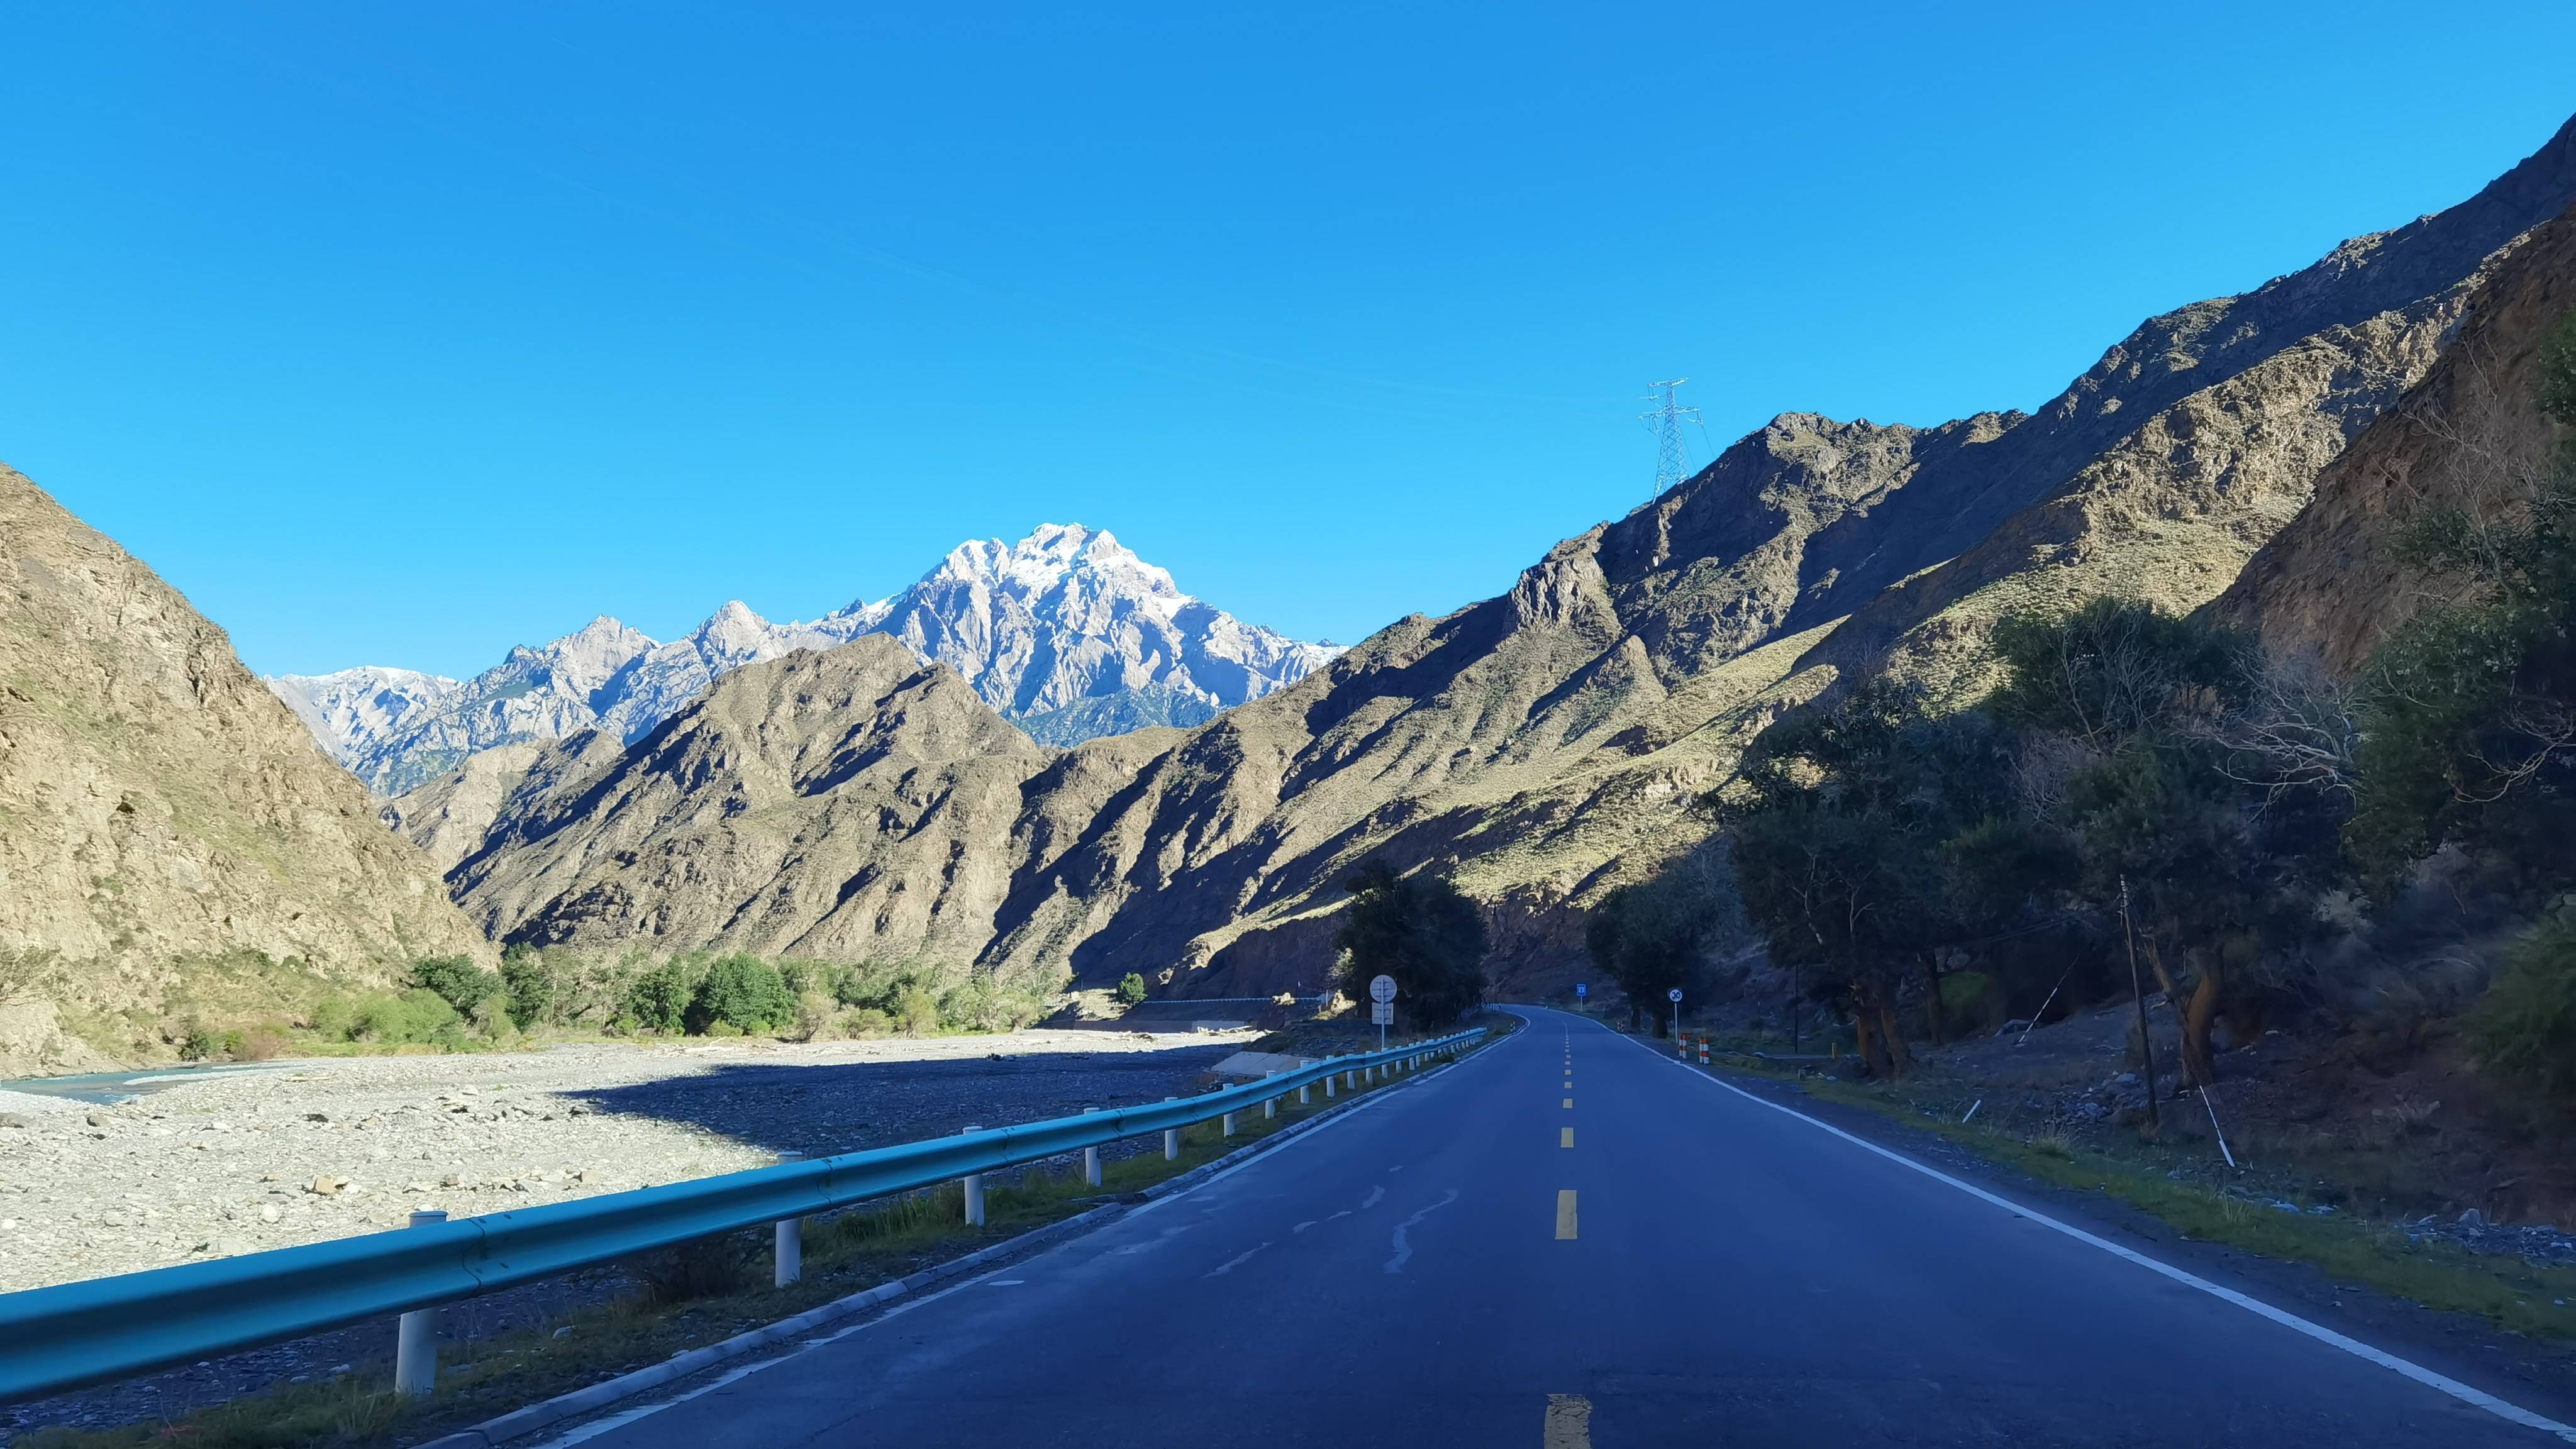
(1672, 463)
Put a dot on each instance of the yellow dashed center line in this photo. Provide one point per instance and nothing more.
(1565, 1213)
(1565, 1137)
(1569, 1102)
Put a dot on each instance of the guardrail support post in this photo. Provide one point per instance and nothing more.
(416, 1336)
(1171, 1139)
(1302, 1098)
(787, 1242)
(1328, 1085)
(1229, 1124)
(974, 1191)
(1091, 1157)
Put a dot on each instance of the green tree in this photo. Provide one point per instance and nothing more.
(743, 992)
(461, 983)
(2524, 1031)
(1131, 989)
(528, 985)
(658, 999)
(2115, 669)
(2469, 709)
(2177, 797)
(1841, 822)
(1648, 936)
(1420, 930)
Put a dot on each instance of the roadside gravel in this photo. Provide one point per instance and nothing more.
(322, 1149)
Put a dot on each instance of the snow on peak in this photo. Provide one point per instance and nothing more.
(1065, 615)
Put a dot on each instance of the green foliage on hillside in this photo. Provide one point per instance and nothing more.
(2525, 1029)
(457, 980)
(742, 994)
(2469, 724)
(2140, 775)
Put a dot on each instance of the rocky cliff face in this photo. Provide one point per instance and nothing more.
(1550, 740)
(1065, 630)
(846, 804)
(2230, 411)
(158, 806)
(2468, 435)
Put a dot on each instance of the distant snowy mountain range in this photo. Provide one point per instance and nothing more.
(1067, 632)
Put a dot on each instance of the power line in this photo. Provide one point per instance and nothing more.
(1672, 462)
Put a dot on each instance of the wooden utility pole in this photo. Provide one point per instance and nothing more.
(2137, 984)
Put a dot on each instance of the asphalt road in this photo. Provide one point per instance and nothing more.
(1567, 1240)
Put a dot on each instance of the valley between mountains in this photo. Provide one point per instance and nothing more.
(1044, 765)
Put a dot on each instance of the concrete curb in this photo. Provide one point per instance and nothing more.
(538, 1417)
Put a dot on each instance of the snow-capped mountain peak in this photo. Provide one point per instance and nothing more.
(1066, 630)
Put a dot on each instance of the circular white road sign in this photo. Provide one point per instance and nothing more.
(1674, 995)
(1382, 989)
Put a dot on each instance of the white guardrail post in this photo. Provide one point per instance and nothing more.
(1269, 1105)
(787, 1242)
(1091, 1157)
(1171, 1139)
(974, 1191)
(416, 1336)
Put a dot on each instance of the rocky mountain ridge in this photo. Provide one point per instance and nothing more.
(167, 829)
(1066, 629)
(1550, 741)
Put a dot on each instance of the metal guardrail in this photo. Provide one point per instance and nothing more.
(72, 1334)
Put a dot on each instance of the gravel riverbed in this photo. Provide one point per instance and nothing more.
(245, 1161)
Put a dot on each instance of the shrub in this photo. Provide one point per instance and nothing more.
(2525, 1029)
(332, 1018)
(658, 1000)
(257, 1044)
(528, 988)
(1970, 1002)
(705, 1267)
(1131, 989)
(457, 981)
(744, 993)
(197, 1043)
(982, 1004)
(415, 1017)
(916, 1012)
(815, 1016)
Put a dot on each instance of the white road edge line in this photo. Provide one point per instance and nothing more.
(624, 1417)
(2476, 1397)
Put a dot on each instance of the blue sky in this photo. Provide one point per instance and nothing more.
(403, 334)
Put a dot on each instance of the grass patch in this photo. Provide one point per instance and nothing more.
(2513, 1294)
(683, 1298)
